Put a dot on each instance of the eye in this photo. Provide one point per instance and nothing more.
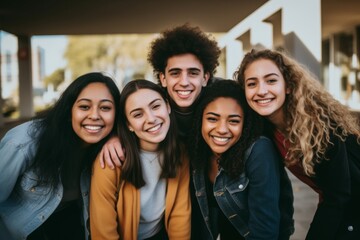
(250, 84)
(194, 73)
(106, 108)
(211, 119)
(271, 81)
(174, 73)
(234, 121)
(84, 107)
(156, 106)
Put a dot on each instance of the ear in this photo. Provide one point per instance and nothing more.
(206, 79)
(168, 107)
(130, 128)
(287, 90)
(162, 79)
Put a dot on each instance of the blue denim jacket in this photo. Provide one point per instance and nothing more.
(257, 204)
(24, 205)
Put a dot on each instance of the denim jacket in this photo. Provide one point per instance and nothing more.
(256, 203)
(24, 204)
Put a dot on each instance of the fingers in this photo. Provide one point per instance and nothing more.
(107, 157)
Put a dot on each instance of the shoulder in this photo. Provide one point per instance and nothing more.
(262, 152)
(262, 144)
(20, 135)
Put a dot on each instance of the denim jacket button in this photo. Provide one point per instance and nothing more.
(32, 189)
(241, 186)
(350, 228)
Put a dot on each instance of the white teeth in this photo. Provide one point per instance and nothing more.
(93, 128)
(154, 128)
(264, 101)
(220, 139)
(184, 93)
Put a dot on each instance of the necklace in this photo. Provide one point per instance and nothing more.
(150, 157)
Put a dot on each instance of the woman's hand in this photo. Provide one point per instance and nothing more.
(112, 153)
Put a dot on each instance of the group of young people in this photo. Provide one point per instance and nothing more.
(192, 157)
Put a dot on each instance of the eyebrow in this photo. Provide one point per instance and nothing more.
(137, 109)
(89, 100)
(218, 115)
(188, 69)
(267, 75)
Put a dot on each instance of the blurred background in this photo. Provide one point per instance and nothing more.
(44, 45)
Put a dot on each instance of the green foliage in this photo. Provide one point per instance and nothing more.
(56, 78)
(114, 54)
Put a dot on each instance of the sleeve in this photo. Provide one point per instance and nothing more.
(262, 168)
(103, 200)
(179, 222)
(334, 181)
(13, 162)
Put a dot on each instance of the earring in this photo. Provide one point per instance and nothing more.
(131, 130)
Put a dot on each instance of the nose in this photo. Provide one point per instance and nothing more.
(150, 117)
(94, 114)
(184, 81)
(262, 89)
(222, 127)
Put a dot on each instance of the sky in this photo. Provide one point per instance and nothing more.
(54, 47)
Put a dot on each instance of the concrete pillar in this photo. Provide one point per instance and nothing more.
(26, 105)
(334, 84)
(261, 35)
(302, 32)
(234, 55)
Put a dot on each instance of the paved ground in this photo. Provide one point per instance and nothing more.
(305, 199)
(305, 202)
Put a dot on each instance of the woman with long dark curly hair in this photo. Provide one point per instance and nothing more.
(317, 136)
(239, 185)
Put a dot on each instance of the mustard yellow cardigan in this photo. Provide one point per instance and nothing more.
(117, 217)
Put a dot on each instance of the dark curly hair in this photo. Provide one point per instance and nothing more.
(181, 40)
(232, 161)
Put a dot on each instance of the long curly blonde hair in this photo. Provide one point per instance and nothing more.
(312, 115)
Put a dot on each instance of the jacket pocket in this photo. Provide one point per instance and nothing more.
(238, 189)
(30, 187)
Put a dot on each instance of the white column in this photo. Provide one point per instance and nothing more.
(261, 35)
(301, 27)
(334, 84)
(234, 55)
(26, 104)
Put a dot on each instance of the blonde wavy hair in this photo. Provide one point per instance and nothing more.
(312, 115)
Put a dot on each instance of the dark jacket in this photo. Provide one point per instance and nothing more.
(258, 203)
(338, 177)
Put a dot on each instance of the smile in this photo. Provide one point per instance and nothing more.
(155, 128)
(184, 93)
(221, 140)
(93, 128)
(263, 101)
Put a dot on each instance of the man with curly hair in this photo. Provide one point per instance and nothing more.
(184, 59)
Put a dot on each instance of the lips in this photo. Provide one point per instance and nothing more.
(221, 140)
(184, 93)
(93, 128)
(264, 101)
(155, 128)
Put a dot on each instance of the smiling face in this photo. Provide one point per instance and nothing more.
(93, 113)
(222, 124)
(147, 115)
(266, 90)
(184, 78)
